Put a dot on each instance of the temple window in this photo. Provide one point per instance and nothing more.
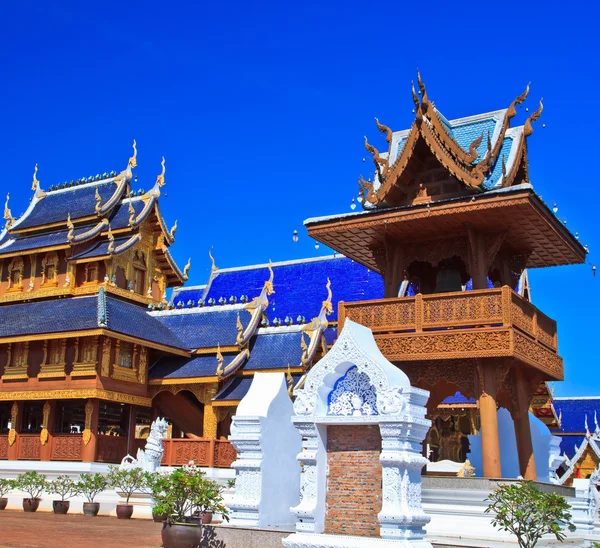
(88, 350)
(33, 416)
(15, 274)
(50, 269)
(125, 358)
(91, 273)
(139, 273)
(55, 351)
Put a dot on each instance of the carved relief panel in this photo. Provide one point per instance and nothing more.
(16, 366)
(125, 367)
(54, 361)
(87, 357)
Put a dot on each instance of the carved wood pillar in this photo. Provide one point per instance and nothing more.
(90, 433)
(390, 261)
(210, 415)
(131, 430)
(47, 432)
(522, 426)
(483, 249)
(490, 443)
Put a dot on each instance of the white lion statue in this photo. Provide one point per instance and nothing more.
(148, 459)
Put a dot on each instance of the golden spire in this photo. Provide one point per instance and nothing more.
(512, 111)
(269, 283)
(327, 306)
(160, 180)
(98, 202)
(533, 118)
(111, 241)
(35, 183)
(214, 267)
(290, 381)
(131, 211)
(71, 228)
(173, 230)
(7, 213)
(186, 268)
(133, 160)
(386, 130)
(219, 361)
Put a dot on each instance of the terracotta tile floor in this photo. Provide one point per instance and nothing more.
(49, 531)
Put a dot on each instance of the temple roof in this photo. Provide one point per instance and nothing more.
(174, 367)
(298, 286)
(574, 412)
(275, 348)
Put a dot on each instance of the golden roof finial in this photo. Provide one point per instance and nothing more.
(269, 283)
(219, 361)
(327, 306)
(98, 202)
(131, 211)
(7, 213)
(303, 345)
(173, 230)
(133, 160)
(186, 268)
(71, 228)
(512, 111)
(35, 183)
(415, 97)
(386, 130)
(214, 267)
(290, 380)
(533, 118)
(160, 180)
(238, 325)
(111, 241)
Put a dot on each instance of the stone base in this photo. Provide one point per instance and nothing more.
(308, 540)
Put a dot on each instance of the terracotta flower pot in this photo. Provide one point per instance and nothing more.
(91, 508)
(30, 505)
(181, 535)
(124, 511)
(203, 517)
(3, 503)
(60, 506)
(159, 518)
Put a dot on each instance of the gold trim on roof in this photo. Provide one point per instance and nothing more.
(75, 394)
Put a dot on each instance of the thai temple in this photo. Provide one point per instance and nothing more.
(93, 348)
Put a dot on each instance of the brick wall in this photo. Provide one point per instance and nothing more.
(353, 497)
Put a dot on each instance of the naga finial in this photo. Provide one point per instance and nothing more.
(473, 148)
(239, 326)
(290, 380)
(269, 283)
(386, 130)
(7, 213)
(131, 211)
(173, 230)
(512, 111)
(219, 361)
(370, 148)
(503, 169)
(364, 190)
(533, 118)
(422, 91)
(71, 227)
(186, 268)
(98, 199)
(415, 97)
(327, 306)
(214, 267)
(111, 241)
(160, 180)
(35, 184)
(133, 160)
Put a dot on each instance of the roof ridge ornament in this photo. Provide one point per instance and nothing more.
(290, 381)
(186, 268)
(384, 129)
(214, 267)
(71, 227)
(160, 180)
(381, 165)
(131, 210)
(473, 154)
(512, 111)
(268, 287)
(533, 118)
(98, 199)
(111, 241)
(220, 360)
(132, 163)
(35, 184)
(7, 213)
(173, 230)
(315, 329)
(102, 311)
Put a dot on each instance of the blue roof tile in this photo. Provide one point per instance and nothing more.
(170, 367)
(24, 243)
(568, 443)
(99, 248)
(78, 201)
(465, 134)
(299, 285)
(274, 351)
(235, 389)
(574, 412)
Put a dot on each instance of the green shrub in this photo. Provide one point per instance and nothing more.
(128, 481)
(523, 510)
(6, 485)
(90, 485)
(64, 487)
(32, 483)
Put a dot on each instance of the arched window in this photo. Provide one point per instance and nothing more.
(91, 272)
(50, 269)
(15, 274)
(139, 273)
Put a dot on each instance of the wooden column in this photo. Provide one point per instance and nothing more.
(48, 427)
(131, 430)
(16, 415)
(477, 259)
(523, 428)
(390, 261)
(90, 434)
(490, 443)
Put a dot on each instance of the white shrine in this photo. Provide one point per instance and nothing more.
(354, 385)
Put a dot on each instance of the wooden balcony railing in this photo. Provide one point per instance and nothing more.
(28, 446)
(204, 452)
(66, 447)
(481, 323)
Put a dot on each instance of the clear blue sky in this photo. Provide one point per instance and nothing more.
(260, 110)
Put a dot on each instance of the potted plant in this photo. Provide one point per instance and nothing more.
(90, 485)
(180, 495)
(65, 488)
(127, 481)
(33, 484)
(155, 482)
(6, 485)
(209, 502)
